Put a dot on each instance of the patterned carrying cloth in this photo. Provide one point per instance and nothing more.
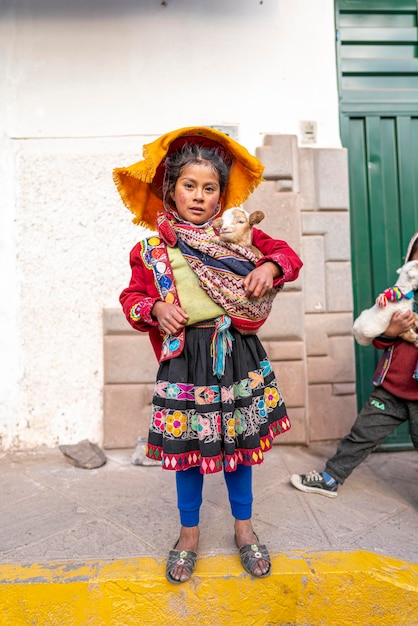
(220, 268)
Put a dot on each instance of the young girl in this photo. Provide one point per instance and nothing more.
(216, 404)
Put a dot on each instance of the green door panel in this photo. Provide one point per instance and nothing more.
(377, 55)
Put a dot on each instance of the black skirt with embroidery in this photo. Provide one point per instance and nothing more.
(200, 420)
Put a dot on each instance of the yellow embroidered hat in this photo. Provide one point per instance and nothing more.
(140, 184)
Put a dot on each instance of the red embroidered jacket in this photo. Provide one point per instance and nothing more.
(396, 367)
(152, 280)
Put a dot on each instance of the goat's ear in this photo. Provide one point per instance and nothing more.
(217, 223)
(256, 217)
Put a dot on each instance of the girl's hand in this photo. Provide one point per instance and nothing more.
(171, 317)
(261, 279)
(401, 322)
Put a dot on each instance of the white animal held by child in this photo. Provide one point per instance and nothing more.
(235, 226)
(374, 321)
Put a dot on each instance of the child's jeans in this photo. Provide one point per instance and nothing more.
(381, 414)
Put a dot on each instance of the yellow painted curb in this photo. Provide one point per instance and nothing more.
(320, 589)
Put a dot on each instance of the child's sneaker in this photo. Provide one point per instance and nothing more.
(315, 483)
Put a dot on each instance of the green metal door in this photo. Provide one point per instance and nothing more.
(377, 49)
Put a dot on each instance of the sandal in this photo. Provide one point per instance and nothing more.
(176, 558)
(251, 554)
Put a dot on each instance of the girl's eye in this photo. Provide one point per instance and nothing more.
(210, 189)
(188, 185)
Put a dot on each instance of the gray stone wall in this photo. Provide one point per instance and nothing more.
(308, 334)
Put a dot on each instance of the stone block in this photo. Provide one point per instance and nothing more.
(115, 322)
(338, 286)
(314, 284)
(330, 416)
(292, 382)
(279, 155)
(332, 178)
(282, 213)
(307, 182)
(298, 434)
(318, 328)
(286, 320)
(337, 366)
(344, 389)
(285, 350)
(335, 228)
(127, 414)
(129, 359)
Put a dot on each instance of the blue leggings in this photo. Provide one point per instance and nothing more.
(189, 493)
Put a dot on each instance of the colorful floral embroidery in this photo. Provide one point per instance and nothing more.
(231, 427)
(176, 423)
(256, 379)
(156, 257)
(207, 395)
(194, 422)
(172, 390)
(272, 397)
(156, 253)
(240, 424)
(227, 394)
(170, 344)
(214, 426)
(242, 389)
(135, 312)
(203, 427)
(160, 388)
(261, 407)
(266, 367)
(186, 391)
(159, 420)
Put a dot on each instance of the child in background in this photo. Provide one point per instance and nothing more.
(392, 402)
(216, 405)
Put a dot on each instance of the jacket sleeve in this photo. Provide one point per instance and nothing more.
(280, 253)
(140, 296)
(382, 342)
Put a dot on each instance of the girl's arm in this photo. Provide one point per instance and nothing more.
(139, 298)
(279, 253)
(142, 304)
(401, 322)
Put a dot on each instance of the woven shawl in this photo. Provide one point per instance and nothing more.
(220, 268)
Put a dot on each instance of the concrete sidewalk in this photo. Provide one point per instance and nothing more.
(92, 544)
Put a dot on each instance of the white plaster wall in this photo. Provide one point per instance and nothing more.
(72, 252)
(83, 87)
(136, 67)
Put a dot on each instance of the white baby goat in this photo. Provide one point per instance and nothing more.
(373, 322)
(235, 226)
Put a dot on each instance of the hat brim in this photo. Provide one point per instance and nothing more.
(140, 184)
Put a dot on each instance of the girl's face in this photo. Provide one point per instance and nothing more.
(196, 194)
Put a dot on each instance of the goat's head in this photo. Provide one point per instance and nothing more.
(408, 275)
(235, 225)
